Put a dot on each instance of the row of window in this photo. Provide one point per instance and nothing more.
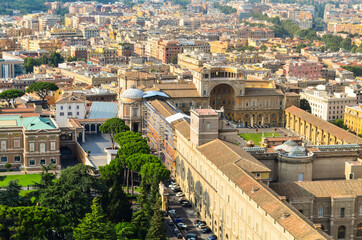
(42, 147)
(5, 159)
(69, 114)
(32, 162)
(69, 107)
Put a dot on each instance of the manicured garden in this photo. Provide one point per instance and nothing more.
(256, 137)
(24, 179)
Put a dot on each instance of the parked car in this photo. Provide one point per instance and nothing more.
(200, 222)
(197, 221)
(172, 212)
(177, 233)
(175, 190)
(178, 220)
(186, 204)
(190, 236)
(201, 225)
(182, 226)
(180, 194)
(182, 199)
(170, 223)
(206, 230)
(212, 237)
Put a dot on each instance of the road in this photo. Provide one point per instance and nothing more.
(188, 217)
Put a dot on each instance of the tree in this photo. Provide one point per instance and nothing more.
(304, 104)
(112, 127)
(263, 47)
(31, 223)
(340, 123)
(42, 89)
(10, 196)
(157, 229)
(174, 60)
(152, 170)
(55, 58)
(126, 230)
(300, 47)
(118, 207)
(10, 95)
(95, 225)
(72, 59)
(8, 166)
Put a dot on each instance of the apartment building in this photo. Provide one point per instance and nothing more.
(328, 106)
(353, 118)
(168, 49)
(303, 69)
(69, 106)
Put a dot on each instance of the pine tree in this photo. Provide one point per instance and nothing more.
(95, 225)
(157, 229)
(119, 207)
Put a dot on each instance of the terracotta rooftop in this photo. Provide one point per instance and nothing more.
(206, 111)
(184, 128)
(333, 188)
(163, 108)
(262, 92)
(347, 137)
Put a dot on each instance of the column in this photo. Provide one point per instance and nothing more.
(83, 135)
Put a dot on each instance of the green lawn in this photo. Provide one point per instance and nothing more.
(23, 192)
(24, 179)
(256, 137)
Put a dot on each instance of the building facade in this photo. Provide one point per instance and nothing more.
(353, 118)
(29, 142)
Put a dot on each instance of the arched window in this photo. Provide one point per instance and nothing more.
(359, 230)
(341, 232)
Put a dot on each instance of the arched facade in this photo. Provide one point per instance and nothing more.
(223, 96)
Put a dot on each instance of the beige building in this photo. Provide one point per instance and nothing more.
(316, 130)
(29, 142)
(225, 184)
(335, 205)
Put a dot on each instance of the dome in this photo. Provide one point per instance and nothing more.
(291, 148)
(132, 93)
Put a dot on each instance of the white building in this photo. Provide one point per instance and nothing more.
(69, 106)
(328, 106)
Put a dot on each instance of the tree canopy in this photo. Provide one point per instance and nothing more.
(113, 126)
(42, 89)
(10, 95)
(304, 104)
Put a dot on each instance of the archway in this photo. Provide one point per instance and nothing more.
(67, 158)
(135, 127)
(223, 95)
(341, 232)
(80, 137)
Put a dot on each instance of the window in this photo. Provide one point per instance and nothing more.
(77, 106)
(61, 114)
(52, 146)
(70, 113)
(300, 177)
(31, 162)
(61, 107)
(42, 161)
(31, 147)
(70, 107)
(359, 230)
(341, 232)
(4, 159)
(17, 159)
(16, 143)
(207, 125)
(320, 212)
(342, 212)
(77, 113)
(42, 147)
(53, 161)
(3, 145)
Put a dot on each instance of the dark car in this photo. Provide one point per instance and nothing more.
(177, 233)
(191, 236)
(206, 230)
(177, 190)
(200, 223)
(212, 237)
(178, 220)
(170, 223)
(186, 204)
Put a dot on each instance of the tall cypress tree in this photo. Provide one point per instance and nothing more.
(157, 229)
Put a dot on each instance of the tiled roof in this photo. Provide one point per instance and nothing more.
(184, 128)
(163, 108)
(324, 125)
(219, 151)
(262, 92)
(331, 188)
